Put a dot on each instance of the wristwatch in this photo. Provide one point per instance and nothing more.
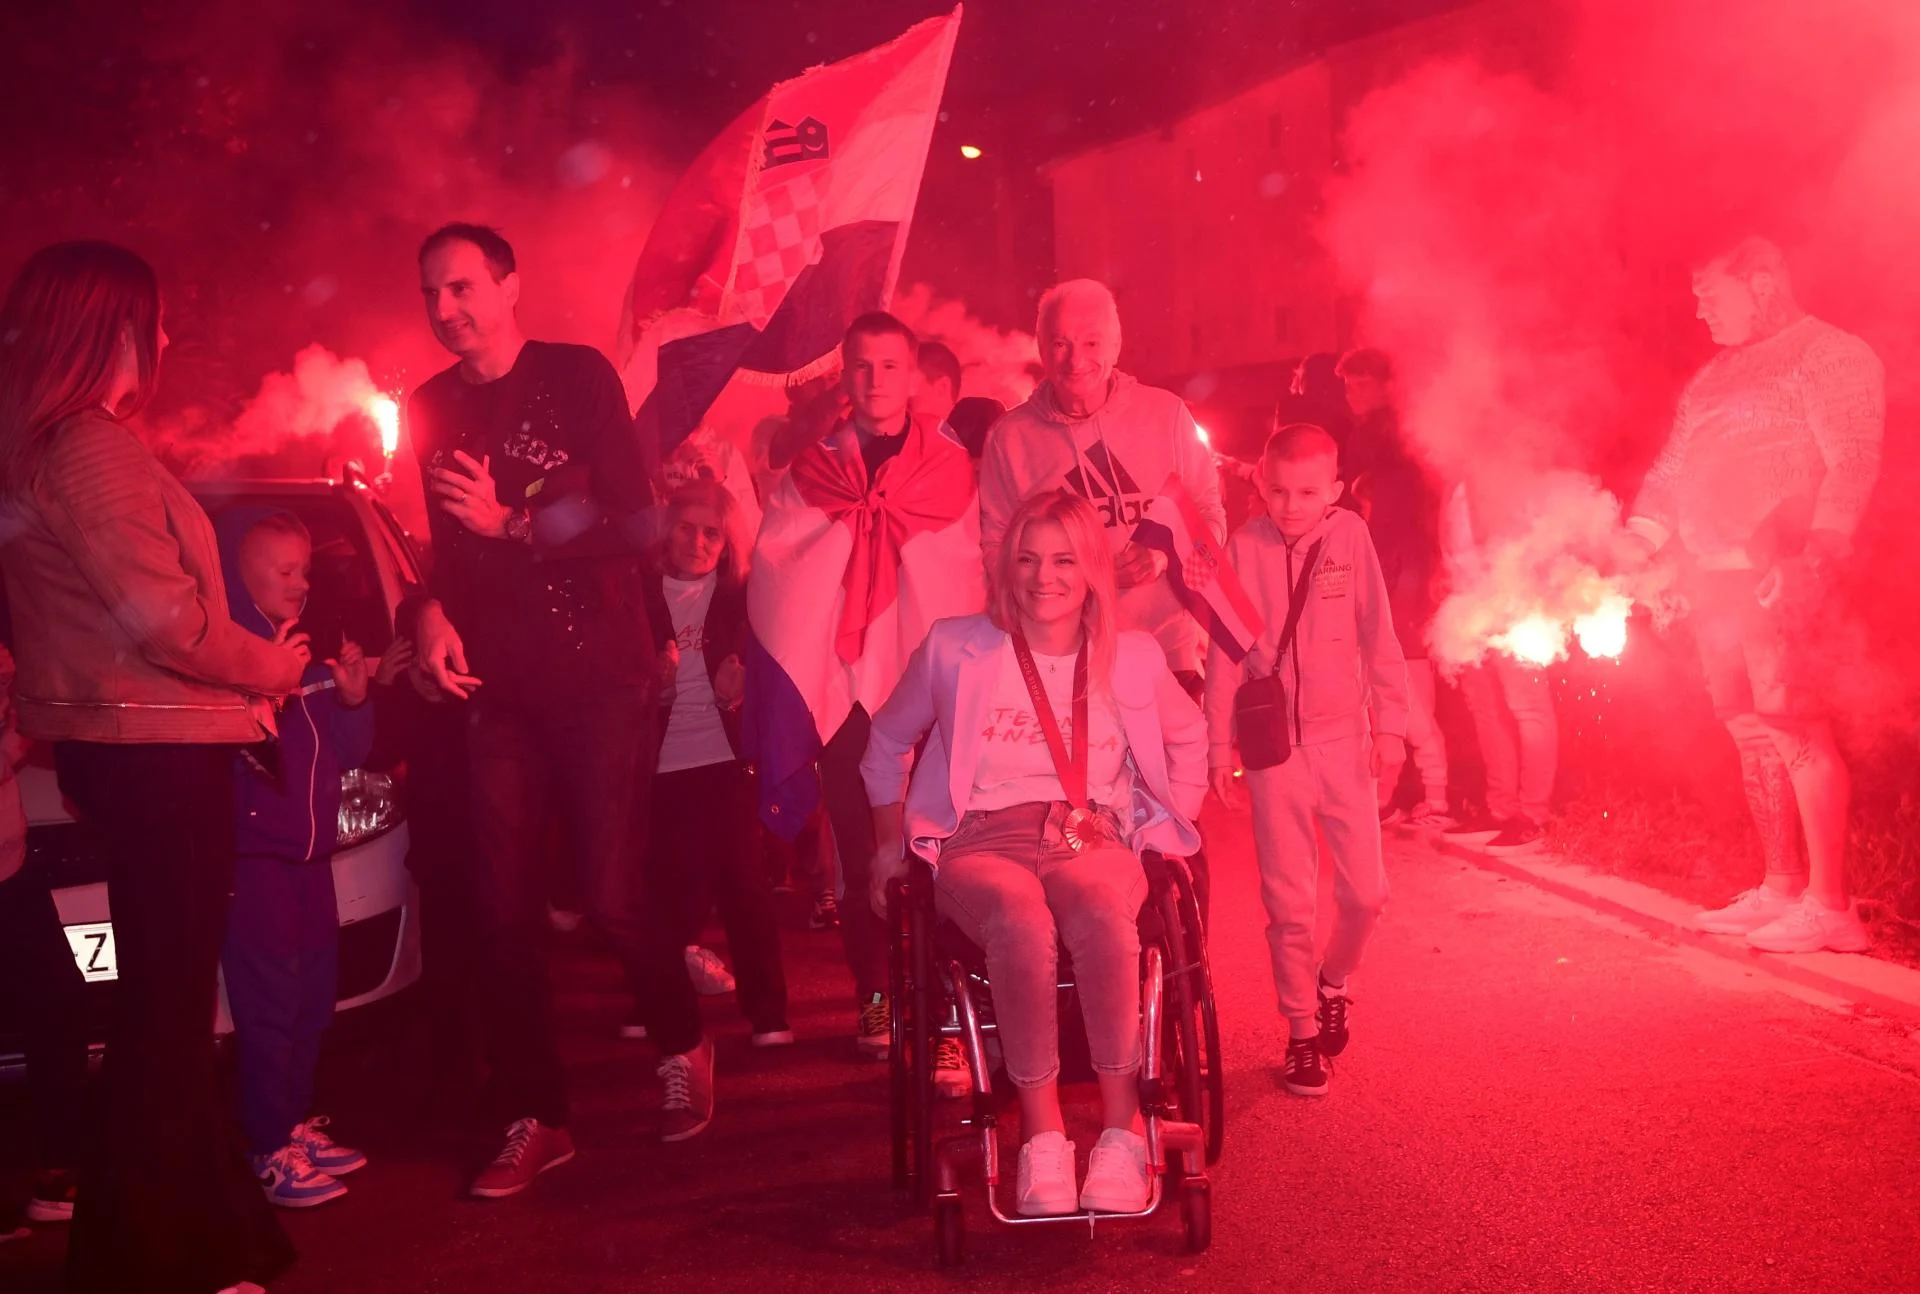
(519, 526)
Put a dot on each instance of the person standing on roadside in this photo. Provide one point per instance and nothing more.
(130, 662)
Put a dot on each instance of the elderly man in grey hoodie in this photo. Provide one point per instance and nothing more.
(1115, 442)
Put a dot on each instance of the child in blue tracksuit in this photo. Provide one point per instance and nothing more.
(281, 956)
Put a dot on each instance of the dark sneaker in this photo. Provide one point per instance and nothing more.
(1520, 836)
(53, 1196)
(1304, 1074)
(292, 1183)
(874, 1038)
(686, 1085)
(778, 1036)
(1332, 1016)
(826, 912)
(532, 1148)
(323, 1152)
(1470, 825)
(632, 1029)
(952, 1076)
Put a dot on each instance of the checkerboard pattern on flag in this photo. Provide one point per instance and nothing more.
(1198, 569)
(790, 225)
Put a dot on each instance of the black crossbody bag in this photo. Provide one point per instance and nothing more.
(1260, 704)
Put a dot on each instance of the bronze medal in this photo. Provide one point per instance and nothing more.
(1086, 829)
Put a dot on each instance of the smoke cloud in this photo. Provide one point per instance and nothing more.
(1519, 222)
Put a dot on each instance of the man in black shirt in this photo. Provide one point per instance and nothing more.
(537, 489)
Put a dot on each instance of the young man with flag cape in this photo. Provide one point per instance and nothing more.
(872, 536)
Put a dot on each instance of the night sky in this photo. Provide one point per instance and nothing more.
(280, 172)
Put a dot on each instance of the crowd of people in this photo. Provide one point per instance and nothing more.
(911, 624)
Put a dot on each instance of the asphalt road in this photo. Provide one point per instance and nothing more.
(1536, 1098)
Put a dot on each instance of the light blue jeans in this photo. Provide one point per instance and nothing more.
(1010, 883)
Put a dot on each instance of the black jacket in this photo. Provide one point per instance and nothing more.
(725, 635)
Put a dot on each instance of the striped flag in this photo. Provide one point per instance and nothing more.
(1198, 569)
(786, 228)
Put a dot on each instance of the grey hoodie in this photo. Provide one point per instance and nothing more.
(1345, 660)
(1118, 458)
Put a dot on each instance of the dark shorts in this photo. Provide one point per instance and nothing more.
(1757, 660)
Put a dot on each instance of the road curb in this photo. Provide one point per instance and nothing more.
(1865, 981)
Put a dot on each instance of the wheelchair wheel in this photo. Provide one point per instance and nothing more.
(1196, 1210)
(950, 1232)
(922, 981)
(1192, 1040)
(1210, 1106)
(899, 1071)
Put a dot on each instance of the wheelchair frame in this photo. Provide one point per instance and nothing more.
(1181, 1078)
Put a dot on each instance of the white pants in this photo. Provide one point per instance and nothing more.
(1327, 789)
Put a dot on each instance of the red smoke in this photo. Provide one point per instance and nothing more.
(1521, 238)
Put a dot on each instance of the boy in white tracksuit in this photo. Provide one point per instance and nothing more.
(1346, 714)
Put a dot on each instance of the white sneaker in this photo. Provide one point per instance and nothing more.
(1813, 927)
(710, 975)
(1045, 1185)
(1117, 1180)
(1752, 909)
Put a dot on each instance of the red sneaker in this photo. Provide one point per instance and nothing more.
(532, 1148)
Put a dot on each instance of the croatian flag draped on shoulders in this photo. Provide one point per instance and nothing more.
(849, 575)
(788, 227)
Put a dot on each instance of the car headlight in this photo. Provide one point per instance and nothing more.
(369, 805)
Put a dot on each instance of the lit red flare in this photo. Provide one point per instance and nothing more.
(385, 412)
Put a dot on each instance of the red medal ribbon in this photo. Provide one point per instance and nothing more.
(1072, 769)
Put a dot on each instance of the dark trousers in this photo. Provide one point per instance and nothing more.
(591, 758)
(851, 816)
(282, 959)
(42, 984)
(705, 852)
(167, 1201)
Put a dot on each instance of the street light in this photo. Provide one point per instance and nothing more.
(970, 151)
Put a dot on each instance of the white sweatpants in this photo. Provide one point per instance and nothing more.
(1326, 789)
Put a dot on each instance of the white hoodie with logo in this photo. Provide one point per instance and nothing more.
(1344, 673)
(1117, 458)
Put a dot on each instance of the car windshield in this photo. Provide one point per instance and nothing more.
(347, 601)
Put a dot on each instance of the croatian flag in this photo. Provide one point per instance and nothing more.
(848, 576)
(1198, 569)
(786, 228)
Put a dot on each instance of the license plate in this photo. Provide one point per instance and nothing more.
(92, 946)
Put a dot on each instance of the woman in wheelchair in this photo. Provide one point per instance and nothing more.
(1056, 749)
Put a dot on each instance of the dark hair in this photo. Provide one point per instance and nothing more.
(971, 419)
(878, 323)
(937, 362)
(1366, 362)
(60, 330)
(497, 250)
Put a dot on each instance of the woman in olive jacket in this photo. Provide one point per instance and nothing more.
(130, 663)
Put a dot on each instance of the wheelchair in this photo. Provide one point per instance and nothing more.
(940, 990)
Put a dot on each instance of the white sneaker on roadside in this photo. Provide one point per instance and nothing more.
(1813, 927)
(1117, 1179)
(1045, 1184)
(1750, 910)
(709, 974)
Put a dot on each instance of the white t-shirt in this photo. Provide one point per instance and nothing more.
(695, 736)
(1015, 765)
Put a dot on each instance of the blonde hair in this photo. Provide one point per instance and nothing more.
(1088, 541)
(705, 493)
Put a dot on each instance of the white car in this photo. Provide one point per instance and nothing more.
(363, 565)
